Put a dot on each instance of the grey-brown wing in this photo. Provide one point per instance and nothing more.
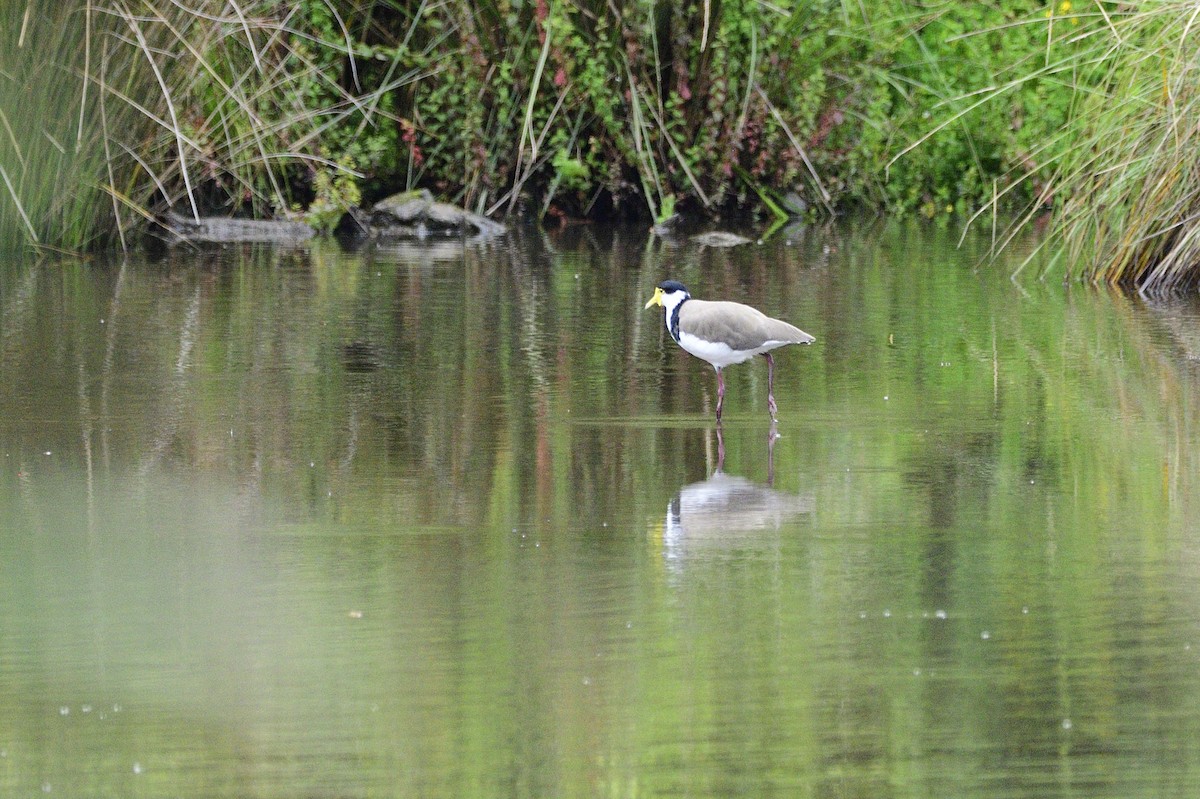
(738, 325)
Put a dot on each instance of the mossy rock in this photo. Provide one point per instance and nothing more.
(415, 214)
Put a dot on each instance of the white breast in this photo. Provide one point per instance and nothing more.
(720, 354)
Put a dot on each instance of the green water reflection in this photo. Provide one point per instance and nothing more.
(435, 521)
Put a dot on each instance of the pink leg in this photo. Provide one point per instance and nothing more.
(720, 449)
(771, 385)
(720, 393)
(771, 437)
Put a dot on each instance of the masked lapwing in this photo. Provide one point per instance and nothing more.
(724, 333)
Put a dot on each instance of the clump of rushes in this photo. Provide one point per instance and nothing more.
(52, 163)
(1129, 179)
(1118, 182)
(127, 107)
(258, 105)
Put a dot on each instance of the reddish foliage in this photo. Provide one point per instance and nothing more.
(830, 119)
(541, 13)
(408, 135)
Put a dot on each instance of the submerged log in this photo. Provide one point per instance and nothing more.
(676, 228)
(415, 214)
(719, 238)
(226, 230)
(407, 207)
(404, 216)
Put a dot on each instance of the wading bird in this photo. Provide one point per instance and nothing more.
(724, 333)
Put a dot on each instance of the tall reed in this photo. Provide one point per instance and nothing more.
(1131, 173)
(1119, 182)
(52, 165)
(111, 110)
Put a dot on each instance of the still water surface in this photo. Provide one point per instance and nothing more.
(428, 521)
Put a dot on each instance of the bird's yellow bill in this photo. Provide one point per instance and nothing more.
(657, 298)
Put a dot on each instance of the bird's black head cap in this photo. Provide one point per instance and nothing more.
(670, 286)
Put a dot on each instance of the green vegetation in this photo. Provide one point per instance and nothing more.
(52, 163)
(1126, 178)
(589, 108)
(112, 110)
(720, 106)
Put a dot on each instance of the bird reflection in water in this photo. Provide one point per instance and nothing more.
(728, 512)
(772, 437)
